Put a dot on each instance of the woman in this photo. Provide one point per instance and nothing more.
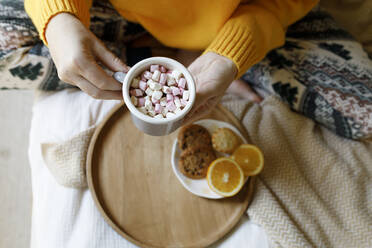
(234, 36)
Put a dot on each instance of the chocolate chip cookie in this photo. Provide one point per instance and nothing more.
(193, 135)
(194, 161)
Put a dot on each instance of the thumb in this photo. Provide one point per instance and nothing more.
(111, 61)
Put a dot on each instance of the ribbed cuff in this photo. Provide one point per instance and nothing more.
(236, 43)
(45, 10)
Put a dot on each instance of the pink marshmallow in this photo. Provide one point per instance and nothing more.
(181, 91)
(169, 97)
(171, 106)
(158, 108)
(143, 78)
(147, 75)
(163, 79)
(154, 68)
(136, 92)
(141, 101)
(182, 83)
(143, 85)
(163, 69)
(176, 91)
(155, 101)
(183, 102)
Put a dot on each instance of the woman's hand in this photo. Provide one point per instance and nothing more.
(213, 74)
(75, 51)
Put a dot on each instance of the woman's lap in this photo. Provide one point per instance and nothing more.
(320, 71)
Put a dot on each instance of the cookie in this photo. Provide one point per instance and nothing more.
(193, 135)
(225, 140)
(194, 161)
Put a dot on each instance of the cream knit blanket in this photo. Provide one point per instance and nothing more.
(315, 189)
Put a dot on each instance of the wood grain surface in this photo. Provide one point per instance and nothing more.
(133, 185)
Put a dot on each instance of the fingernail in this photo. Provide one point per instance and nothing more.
(119, 76)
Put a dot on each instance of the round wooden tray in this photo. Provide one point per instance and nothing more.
(133, 185)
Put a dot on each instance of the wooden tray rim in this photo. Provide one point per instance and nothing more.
(248, 199)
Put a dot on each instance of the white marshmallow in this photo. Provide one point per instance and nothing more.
(167, 89)
(163, 101)
(153, 85)
(152, 113)
(164, 111)
(176, 74)
(177, 102)
(186, 95)
(156, 75)
(159, 116)
(134, 100)
(143, 110)
(135, 83)
(177, 110)
(157, 95)
(149, 91)
(170, 80)
(148, 105)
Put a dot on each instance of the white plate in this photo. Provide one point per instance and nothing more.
(200, 187)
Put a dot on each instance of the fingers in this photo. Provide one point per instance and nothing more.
(108, 58)
(91, 71)
(95, 92)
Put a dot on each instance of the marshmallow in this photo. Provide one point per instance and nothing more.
(181, 91)
(178, 110)
(142, 85)
(186, 95)
(156, 75)
(147, 75)
(182, 83)
(175, 91)
(163, 101)
(143, 110)
(141, 101)
(134, 100)
(158, 108)
(170, 80)
(135, 83)
(149, 91)
(148, 105)
(154, 101)
(136, 92)
(171, 106)
(183, 102)
(153, 85)
(169, 97)
(154, 68)
(165, 111)
(163, 79)
(166, 89)
(157, 94)
(177, 102)
(159, 116)
(163, 69)
(176, 74)
(152, 113)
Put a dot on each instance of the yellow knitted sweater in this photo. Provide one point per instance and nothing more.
(241, 30)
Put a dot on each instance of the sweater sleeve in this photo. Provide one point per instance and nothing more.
(256, 28)
(41, 11)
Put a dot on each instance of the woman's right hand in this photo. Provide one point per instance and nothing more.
(75, 51)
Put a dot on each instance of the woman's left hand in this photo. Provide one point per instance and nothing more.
(213, 74)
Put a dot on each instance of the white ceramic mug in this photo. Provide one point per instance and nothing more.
(148, 124)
